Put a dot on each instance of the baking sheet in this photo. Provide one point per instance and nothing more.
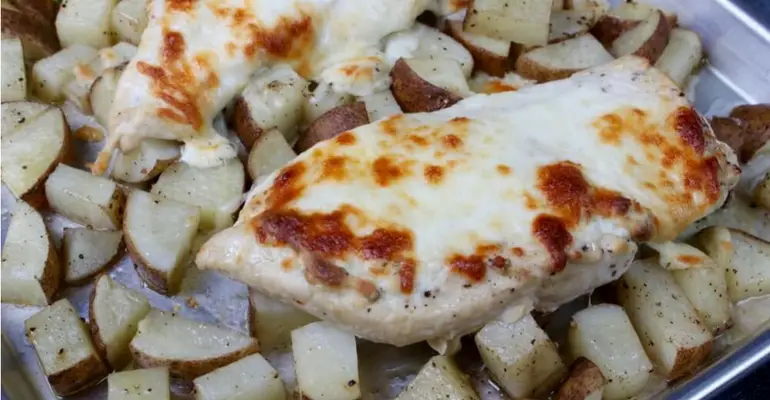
(738, 72)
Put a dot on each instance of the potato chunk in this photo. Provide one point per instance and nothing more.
(325, 362)
(519, 21)
(84, 198)
(749, 273)
(246, 379)
(50, 74)
(139, 384)
(439, 379)
(86, 252)
(86, 22)
(14, 77)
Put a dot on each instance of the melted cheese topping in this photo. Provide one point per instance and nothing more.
(423, 225)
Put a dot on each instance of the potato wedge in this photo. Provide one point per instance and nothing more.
(86, 22)
(585, 382)
(561, 60)
(30, 268)
(90, 200)
(483, 83)
(272, 321)
(158, 234)
(102, 93)
(206, 347)
(216, 191)
(756, 118)
(64, 348)
(647, 40)
(325, 362)
(86, 252)
(115, 312)
(730, 131)
(604, 335)
(129, 19)
(669, 327)
(145, 162)
(50, 74)
(567, 24)
(139, 384)
(31, 151)
(332, 123)
(272, 100)
(269, 153)
(251, 377)
(422, 41)
(78, 90)
(14, 77)
(520, 21)
(762, 192)
(619, 20)
(680, 57)
(37, 34)
(320, 98)
(424, 85)
(439, 378)
(381, 105)
(749, 272)
(492, 56)
(520, 357)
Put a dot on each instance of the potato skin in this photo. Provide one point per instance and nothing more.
(483, 59)
(155, 279)
(583, 379)
(530, 69)
(756, 118)
(657, 42)
(415, 94)
(52, 274)
(688, 360)
(730, 131)
(189, 369)
(609, 28)
(78, 377)
(247, 129)
(38, 36)
(332, 123)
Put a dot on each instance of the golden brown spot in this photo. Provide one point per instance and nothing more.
(418, 140)
(529, 201)
(503, 169)
(631, 160)
(452, 141)
(554, 236)
(406, 273)
(703, 176)
(289, 39)
(517, 251)
(178, 89)
(386, 171)
(173, 46)
(610, 128)
(689, 259)
(286, 187)
(205, 62)
(319, 270)
(180, 5)
(231, 48)
(472, 266)
(608, 203)
(688, 126)
(434, 174)
(286, 264)
(345, 139)
(496, 86)
(334, 168)
(385, 244)
(390, 125)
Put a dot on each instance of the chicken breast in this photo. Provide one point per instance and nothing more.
(424, 226)
(195, 56)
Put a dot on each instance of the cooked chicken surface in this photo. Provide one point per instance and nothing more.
(425, 226)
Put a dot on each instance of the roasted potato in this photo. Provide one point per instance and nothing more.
(749, 273)
(332, 123)
(14, 76)
(272, 321)
(33, 27)
(78, 90)
(320, 98)
(561, 60)
(129, 19)
(649, 39)
(269, 153)
(521, 357)
(421, 41)
(217, 191)
(272, 100)
(381, 105)
(424, 85)
(493, 56)
(139, 384)
(519, 21)
(439, 379)
(35, 138)
(585, 382)
(146, 161)
(30, 268)
(86, 22)
(731, 131)
(325, 362)
(90, 200)
(51, 74)
(86, 252)
(158, 234)
(573, 22)
(64, 348)
(619, 20)
(205, 347)
(511, 82)
(248, 378)
(115, 312)
(670, 330)
(680, 57)
(604, 335)
(102, 93)
(756, 118)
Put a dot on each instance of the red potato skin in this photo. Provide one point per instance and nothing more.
(484, 60)
(332, 123)
(653, 48)
(756, 119)
(246, 128)
(584, 378)
(415, 94)
(610, 28)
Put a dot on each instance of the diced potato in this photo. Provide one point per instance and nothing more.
(381, 105)
(50, 74)
(272, 321)
(604, 335)
(272, 100)
(85, 22)
(669, 327)
(115, 312)
(216, 191)
(269, 153)
(439, 379)
(331, 123)
(762, 192)
(492, 56)
(189, 348)
(520, 357)
(425, 85)
(430, 44)
(585, 382)
(320, 98)
(146, 161)
(78, 90)
(30, 267)
(86, 252)
(158, 235)
(680, 57)
(749, 273)
(34, 141)
(64, 348)
(84, 198)
(519, 21)
(139, 384)
(102, 93)
(129, 19)
(325, 362)
(246, 379)
(14, 78)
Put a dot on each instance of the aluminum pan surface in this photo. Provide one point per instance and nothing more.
(736, 74)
